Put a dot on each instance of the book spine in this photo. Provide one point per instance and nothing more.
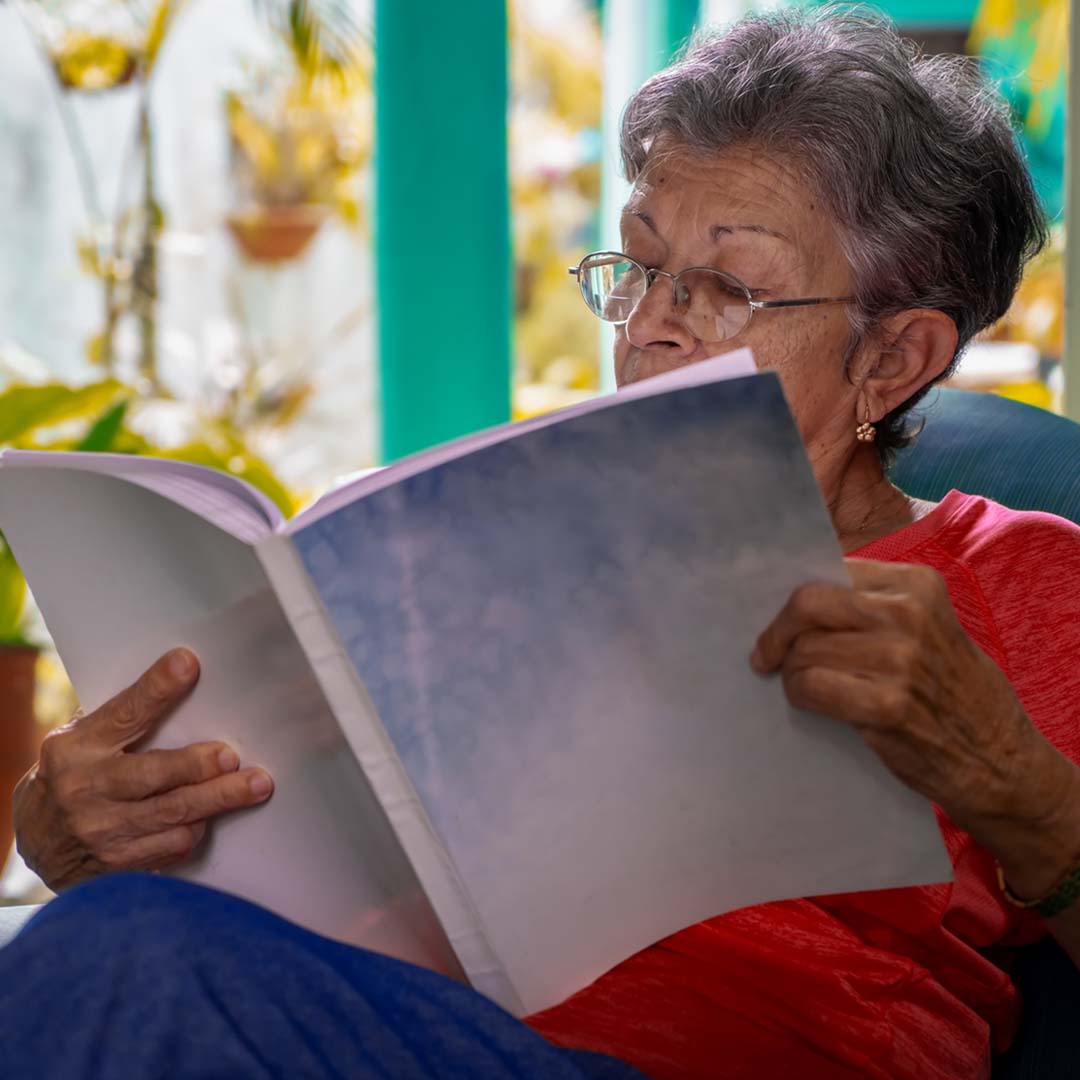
(371, 744)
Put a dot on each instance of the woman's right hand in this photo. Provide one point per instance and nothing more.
(90, 805)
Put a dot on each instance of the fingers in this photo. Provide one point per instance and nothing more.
(814, 606)
(91, 804)
(138, 776)
(847, 696)
(157, 851)
(913, 598)
(919, 585)
(133, 714)
(198, 802)
(873, 576)
(877, 655)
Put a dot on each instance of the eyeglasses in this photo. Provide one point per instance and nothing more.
(713, 306)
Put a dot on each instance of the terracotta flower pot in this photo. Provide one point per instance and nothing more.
(276, 233)
(19, 732)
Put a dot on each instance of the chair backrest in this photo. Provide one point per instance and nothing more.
(982, 444)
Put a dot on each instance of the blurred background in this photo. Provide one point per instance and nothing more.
(219, 219)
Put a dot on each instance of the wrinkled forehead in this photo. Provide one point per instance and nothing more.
(691, 197)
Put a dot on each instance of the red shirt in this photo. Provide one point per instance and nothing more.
(887, 984)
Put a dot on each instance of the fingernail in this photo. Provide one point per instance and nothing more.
(182, 664)
(757, 660)
(261, 785)
(228, 760)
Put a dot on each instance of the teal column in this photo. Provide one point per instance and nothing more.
(442, 220)
(682, 17)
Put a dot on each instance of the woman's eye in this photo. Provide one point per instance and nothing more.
(720, 287)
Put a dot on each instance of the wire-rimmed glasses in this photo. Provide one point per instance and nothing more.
(713, 305)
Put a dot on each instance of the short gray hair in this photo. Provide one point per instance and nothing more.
(914, 156)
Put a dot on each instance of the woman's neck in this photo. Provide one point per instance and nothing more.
(864, 505)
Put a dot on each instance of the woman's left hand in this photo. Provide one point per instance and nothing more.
(889, 656)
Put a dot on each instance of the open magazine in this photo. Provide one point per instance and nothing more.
(502, 686)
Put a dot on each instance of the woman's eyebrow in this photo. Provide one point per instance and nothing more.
(641, 216)
(717, 231)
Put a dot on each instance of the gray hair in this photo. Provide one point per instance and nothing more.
(914, 156)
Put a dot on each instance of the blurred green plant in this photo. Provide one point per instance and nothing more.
(98, 418)
(12, 599)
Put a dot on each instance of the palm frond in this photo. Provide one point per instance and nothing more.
(322, 35)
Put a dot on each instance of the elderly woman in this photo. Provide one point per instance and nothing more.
(807, 186)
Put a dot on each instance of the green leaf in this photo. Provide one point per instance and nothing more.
(26, 409)
(103, 434)
(12, 596)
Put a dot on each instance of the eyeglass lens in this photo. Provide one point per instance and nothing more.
(713, 306)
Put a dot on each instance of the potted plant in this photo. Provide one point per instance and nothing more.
(299, 130)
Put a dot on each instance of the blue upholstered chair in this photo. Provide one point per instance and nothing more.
(1030, 460)
(982, 444)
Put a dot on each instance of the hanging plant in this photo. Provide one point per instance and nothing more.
(300, 131)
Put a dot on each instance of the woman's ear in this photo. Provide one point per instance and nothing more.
(915, 348)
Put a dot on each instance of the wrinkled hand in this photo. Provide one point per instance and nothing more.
(91, 805)
(889, 656)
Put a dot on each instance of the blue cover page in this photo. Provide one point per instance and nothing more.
(555, 633)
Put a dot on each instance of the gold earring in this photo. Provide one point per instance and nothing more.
(866, 432)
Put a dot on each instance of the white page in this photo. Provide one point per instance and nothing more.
(227, 501)
(245, 513)
(555, 632)
(730, 365)
(122, 574)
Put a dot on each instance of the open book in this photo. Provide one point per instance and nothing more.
(502, 686)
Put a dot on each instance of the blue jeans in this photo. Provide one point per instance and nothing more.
(141, 976)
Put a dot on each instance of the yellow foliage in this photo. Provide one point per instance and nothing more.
(1032, 36)
(305, 142)
(1037, 314)
(253, 138)
(555, 190)
(12, 596)
(87, 61)
(27, 411)
(160, 21)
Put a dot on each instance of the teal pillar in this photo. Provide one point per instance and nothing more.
(682, 17)
(442, 220)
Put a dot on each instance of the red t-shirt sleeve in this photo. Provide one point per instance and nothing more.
(1027, 566)
(1022, 571)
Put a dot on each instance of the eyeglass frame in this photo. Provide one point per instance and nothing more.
(653, 274)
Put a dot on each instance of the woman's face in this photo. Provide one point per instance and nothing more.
(751, 215)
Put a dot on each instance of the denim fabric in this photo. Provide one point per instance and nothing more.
(142, 976)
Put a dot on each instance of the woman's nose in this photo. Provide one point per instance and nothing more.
(654, 323)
